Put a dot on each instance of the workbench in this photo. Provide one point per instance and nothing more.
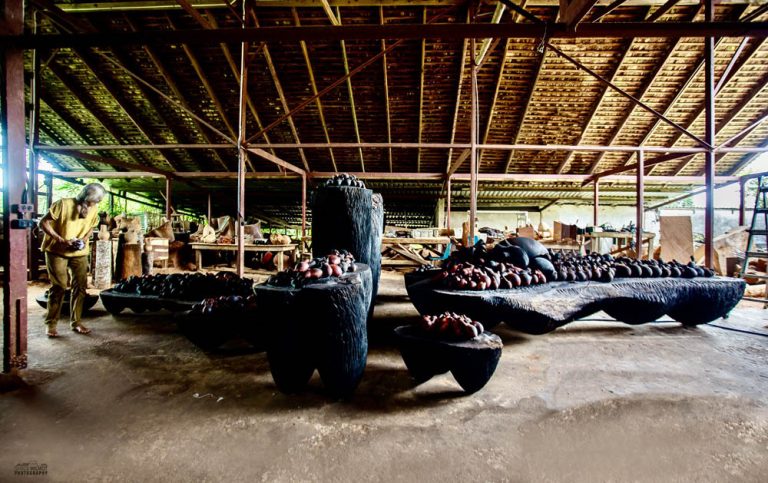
(200, 247)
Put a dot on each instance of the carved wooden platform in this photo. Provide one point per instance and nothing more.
(543, 308)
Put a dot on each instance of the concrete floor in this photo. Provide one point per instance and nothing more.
(593, 401)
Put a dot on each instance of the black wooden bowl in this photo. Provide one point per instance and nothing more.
(542, 308)
(88, 303)
(206, 331)
(116, 302)
(471, 362)
(320, 326)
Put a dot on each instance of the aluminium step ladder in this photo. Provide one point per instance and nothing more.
(758, 228)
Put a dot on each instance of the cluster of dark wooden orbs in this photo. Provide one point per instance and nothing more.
(604, 268)
(345, 179)
(450, 325)
(186, 286)
(318, 269)
(225, 305)
(575, 268)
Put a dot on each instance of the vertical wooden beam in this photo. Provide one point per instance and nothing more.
(709, 134)
(448, 204)
(421, 92)
(14, 245)
(318, 103)
(596, 204)
(168, 189)
(303, 206)
(209, 207)
(473, 145)
(48, 190)
(34, 158)
(241, 150)
(640, 205)
(386, 89)
(742, 202)
(351, 92)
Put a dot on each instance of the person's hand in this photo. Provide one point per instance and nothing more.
(75, 244)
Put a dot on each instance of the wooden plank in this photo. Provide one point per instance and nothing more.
(676, 235)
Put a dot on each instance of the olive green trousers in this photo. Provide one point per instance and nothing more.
(59, 269)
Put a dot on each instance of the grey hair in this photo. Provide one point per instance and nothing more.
(91, 193)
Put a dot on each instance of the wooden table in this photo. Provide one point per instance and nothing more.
(199, 247)
(403, 254)
(623, 238)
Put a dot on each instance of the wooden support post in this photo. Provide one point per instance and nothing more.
(473, 145)
(168, 207)
(111, 201)
(596, 203)
(241, 150)
(640, 203)
(14, 245)
(209, 207)
(742, 202)
(709, 134)
(48, 191)
(448, 205)
(303, 206)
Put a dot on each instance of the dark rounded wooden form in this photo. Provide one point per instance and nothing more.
(90, 301)
(542, 308)
(348, 218)
(116, 302)
(471, 362)
(320, 326)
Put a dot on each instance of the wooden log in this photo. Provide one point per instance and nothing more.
(319, 326)
(471, 362)
(102, 264)
(129, 261)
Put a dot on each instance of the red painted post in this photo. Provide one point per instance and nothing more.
(640, 203)
(15, 173)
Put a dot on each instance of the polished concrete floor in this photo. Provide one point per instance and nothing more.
(593, 401)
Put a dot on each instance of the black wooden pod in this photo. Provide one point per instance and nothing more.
(321, 326)
(542, 308)
(471, 362)
(347, 218)
(88, 303)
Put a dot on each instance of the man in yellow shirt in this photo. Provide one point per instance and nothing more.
(68, 226)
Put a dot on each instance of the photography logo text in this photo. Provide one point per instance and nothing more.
(30, 469)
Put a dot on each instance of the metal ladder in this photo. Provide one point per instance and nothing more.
(755, 230)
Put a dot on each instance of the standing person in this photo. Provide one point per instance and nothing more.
(67, 227)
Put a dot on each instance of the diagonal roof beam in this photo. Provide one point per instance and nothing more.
(725, 78)
(421, 92)
(329, 13)
(169, 80)
(573, 11)
(527, 103)
(280, 93)
(386, 90)
(351, 93)
(206, 83)
(333, 85)
(643, 91)
(312, 83)
(662, 10)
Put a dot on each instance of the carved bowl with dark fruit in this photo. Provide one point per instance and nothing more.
(450, 342)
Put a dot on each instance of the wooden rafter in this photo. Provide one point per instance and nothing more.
(573, 11)
(329, 13)
(492, 108)
(89, 105)
(641, 93)
(171, 83)
(457, 106)
(312, 83)
(280, 93)
(527, 103)
(726, 77)
(421, 91)
(734, 113)
(351, 93)
(386, 90)
(195, 63)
